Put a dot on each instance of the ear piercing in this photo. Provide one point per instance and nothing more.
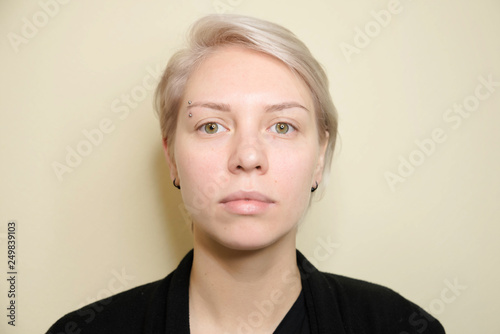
(175, 185)
(313, 189)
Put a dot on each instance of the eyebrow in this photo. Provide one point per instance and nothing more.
(284, 105)
(210, 105)
(226, 108)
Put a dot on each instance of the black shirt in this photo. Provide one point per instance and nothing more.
(295, 321)
(334, 304)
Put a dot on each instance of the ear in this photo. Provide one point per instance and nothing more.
(318, 173)
(170, 160)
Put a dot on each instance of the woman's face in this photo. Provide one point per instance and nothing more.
(246, 150)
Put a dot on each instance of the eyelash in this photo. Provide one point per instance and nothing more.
(202, 128)
(273, 129)
(291, 128)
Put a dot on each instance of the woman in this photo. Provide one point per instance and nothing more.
(246, 117)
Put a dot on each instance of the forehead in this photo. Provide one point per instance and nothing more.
(237, 75)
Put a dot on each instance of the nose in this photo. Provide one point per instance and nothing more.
(248, 155)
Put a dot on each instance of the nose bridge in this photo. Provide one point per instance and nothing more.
(248, 152)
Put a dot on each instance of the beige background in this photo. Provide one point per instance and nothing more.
(116, 213)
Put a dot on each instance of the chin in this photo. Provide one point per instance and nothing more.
(252, 240)
(246, 234)
(245, 246)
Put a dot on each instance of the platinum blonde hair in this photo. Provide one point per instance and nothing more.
(212, 32)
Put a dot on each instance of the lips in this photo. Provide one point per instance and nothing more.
(247, 196)
(246, 203)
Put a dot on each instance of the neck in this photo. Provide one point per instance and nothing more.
(231, 289)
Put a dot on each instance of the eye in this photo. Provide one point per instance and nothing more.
(212, 128)
(282, 128)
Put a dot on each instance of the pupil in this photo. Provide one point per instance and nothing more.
(282, 127)
(211, 127)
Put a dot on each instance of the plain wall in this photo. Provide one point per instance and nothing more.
(116, 214)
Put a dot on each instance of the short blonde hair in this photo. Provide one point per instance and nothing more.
(214, 31)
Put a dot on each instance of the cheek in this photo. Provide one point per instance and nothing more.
(293, 170)
(195, 160)
(292, 185)
(201, 173)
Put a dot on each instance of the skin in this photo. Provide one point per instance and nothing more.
(246, 160)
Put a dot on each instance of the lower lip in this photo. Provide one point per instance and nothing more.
(244, 207)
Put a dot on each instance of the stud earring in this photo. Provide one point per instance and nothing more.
(177, 186)
(313, 189)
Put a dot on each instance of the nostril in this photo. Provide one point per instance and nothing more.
(256, 167)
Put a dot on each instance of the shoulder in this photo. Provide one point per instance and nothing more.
(126, 312)
(366, 306)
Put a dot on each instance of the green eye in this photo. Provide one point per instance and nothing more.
(211, 128)
(282, 128)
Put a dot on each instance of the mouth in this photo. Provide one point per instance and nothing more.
(247, 203)
(246, 196)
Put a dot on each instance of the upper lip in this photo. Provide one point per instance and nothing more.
(246, 195)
